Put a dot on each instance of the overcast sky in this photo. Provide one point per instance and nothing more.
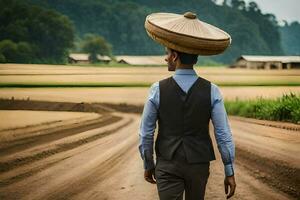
(288, 10)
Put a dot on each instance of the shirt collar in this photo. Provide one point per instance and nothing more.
(185, 72)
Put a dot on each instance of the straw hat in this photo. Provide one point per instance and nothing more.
(186, 33)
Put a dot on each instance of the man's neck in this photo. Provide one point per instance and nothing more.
(184, 66)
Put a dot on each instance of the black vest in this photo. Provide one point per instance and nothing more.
(183, 120)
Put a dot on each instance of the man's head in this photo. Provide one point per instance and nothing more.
(176, 59)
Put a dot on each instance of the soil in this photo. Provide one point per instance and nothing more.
(136, 96)
(99, 158)
(14, 73)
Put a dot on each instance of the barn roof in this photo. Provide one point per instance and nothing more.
(283, 59)
(79, 56)
(85, 57)
(142, 60)
(103, 58)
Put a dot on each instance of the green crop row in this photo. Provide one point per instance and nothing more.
(284, 108)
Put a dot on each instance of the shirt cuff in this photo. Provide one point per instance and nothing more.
(149, 164)
(229, 170)
(148, 160)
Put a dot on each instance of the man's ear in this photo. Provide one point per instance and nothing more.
(174, 55)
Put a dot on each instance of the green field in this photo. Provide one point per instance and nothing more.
(285, 108)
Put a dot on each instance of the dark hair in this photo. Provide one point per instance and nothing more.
(186, 58)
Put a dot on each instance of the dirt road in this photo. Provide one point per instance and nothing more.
(89, 161)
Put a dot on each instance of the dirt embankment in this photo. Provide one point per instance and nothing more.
(16, 104)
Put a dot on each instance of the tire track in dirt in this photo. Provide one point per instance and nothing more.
(104, 170)
(31, 159)
(270, 154)
(275, 173)
(83, 166)
(19, 177)
(10, 147)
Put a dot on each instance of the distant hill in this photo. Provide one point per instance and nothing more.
(290, 38)
(121, 22)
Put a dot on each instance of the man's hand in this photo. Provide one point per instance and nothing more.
(149, 176)
(229, 182)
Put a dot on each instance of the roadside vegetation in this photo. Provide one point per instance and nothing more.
(285, 108)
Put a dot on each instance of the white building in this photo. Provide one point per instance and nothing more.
(268, 62)
(141, 60)
(84, 58)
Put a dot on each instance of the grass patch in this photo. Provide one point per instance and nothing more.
(284, 108)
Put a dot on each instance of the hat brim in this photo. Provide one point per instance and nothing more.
(186, 43)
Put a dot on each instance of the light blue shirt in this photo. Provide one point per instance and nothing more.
(185, 79)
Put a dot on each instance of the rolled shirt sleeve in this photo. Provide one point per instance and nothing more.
(222, 130)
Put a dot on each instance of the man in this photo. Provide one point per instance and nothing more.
(183, 105)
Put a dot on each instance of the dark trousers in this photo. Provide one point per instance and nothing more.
(177, 176)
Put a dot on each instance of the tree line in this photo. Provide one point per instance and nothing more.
(45, 30)
(32, 34)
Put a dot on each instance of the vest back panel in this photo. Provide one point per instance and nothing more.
(183, 118)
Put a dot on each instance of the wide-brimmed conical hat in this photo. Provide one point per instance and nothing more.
(186, 33)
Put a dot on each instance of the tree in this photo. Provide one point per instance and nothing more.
(20, 52)
(253, 7)
(238, 4)
(33, 33)
(121, 23)
(25, 53)
(96, 44)
(2, 58)
(9, 50)
(290, 38)
(225, 3)
(54, 33)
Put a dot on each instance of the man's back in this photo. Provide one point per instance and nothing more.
(185, 79)
(183, 120)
